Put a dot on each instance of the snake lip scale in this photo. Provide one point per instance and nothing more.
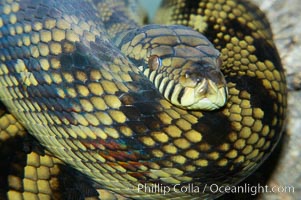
(88, 89)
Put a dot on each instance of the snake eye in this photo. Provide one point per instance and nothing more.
(154, 62)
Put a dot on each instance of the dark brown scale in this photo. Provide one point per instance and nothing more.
(154, 62)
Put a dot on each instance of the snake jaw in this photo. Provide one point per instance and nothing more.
(207, 95)
(204, 86)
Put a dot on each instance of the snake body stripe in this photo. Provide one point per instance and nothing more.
(71, 75)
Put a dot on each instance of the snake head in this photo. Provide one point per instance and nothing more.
(203, 85)
(200, 85)
(182, 63)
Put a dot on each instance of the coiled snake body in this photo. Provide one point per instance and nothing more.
(94, 90)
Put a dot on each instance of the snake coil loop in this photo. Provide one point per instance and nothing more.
(129, 105)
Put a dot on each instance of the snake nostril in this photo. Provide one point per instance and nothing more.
(188, 74)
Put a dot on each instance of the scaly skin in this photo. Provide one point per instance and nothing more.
(63, 79)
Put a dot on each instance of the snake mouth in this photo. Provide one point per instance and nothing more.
(206, 95)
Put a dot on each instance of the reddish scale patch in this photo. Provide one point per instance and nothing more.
(107, 157)
(113, 151)
(112, 145)
(93, 144)
(139, 175)
(124, 156)
(128, 165)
